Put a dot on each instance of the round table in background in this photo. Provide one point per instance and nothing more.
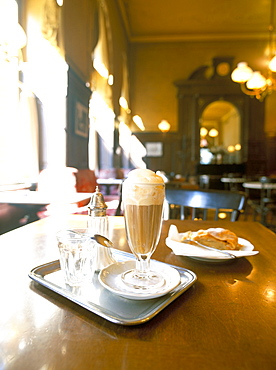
(259, 185)
(232, 183)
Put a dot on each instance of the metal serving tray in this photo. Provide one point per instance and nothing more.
(95, 298)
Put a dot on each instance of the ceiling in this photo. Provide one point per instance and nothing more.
(185, 20)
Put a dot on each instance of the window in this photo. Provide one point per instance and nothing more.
(34, 107)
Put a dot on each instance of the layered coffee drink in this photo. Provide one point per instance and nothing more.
(143, 197)
(143, 225)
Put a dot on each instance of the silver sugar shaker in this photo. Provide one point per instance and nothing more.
(98, 223)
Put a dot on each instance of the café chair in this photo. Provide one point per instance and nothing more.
(112, 173)
(266, 204)
(119, 210)
(204, 181)
(204, 204)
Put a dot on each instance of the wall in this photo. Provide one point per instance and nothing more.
(270, 118)
(154, 68)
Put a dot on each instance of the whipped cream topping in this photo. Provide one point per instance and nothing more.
(142, 176)
(143, 187)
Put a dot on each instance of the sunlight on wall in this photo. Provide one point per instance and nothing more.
(139, 122)
(103, 118)
(138, 151)
(125, 138)
(132, 147)
(100, 67)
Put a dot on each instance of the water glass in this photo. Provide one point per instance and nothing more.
(76, 256)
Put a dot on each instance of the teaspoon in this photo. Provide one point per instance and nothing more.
(102, 240)
(98, 238)
(210, 248)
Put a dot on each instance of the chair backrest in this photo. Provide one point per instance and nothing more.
(86, 182)
(267, 193)
(198, 203)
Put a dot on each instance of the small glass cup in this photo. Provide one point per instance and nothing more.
(76, 256)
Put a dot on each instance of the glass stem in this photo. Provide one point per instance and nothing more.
(143, 265)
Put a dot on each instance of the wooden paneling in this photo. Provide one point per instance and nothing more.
(76, 145)
(271, 155)
(195, 94)
(171, 159)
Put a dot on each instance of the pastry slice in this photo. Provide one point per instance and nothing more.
(218, 238)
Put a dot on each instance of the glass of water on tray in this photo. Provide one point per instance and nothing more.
(76, 255)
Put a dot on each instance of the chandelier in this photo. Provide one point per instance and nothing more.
(253, 83)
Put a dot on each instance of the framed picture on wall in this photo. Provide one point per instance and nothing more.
(81, 120)
(154, 149)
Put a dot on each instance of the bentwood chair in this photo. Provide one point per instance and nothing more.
(266, 204)
(204, 204)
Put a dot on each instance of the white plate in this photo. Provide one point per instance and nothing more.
(110, 278)
(179, 248)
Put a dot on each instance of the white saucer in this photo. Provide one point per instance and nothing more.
(185, 249)
(110, 278)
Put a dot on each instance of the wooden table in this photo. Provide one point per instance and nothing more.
(32, 202)
(259, 185)
(226, 320)
(232, 183)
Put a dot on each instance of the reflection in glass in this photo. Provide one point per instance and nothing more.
(220, 134)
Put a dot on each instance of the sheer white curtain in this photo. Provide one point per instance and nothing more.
(44, 77)
(18, 126)
(10, 141)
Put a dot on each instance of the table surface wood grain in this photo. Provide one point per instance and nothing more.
(226, 320)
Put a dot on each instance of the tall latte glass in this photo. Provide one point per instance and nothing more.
(143, 196)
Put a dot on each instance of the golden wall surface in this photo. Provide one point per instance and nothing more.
(156, 66)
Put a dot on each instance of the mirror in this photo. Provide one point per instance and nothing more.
(220, 134)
